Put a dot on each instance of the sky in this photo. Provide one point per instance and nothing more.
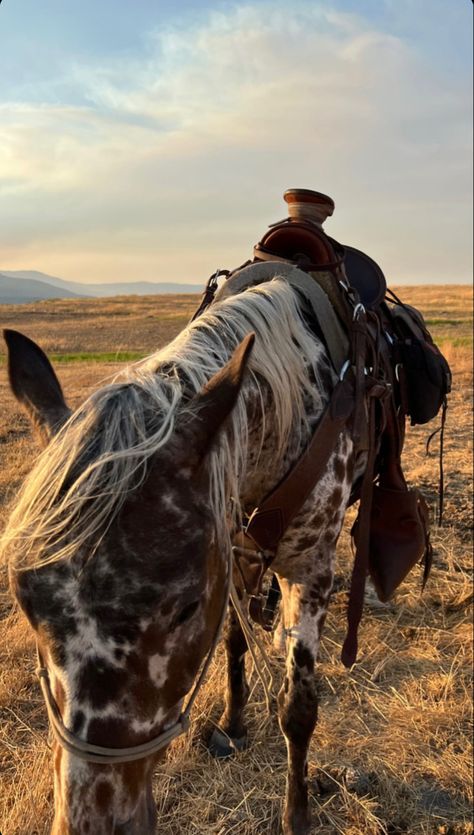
(153, 140)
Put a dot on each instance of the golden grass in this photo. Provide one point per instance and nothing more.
(392, 749)
(123, 323)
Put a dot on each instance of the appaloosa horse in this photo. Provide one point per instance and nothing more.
(119, 546)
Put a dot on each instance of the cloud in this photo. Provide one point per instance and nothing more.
(176, 161)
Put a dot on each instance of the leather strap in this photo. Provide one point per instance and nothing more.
(374, 387)
(338, 294)
(255, 545)
(209, 293)
(361, 561)
(271, 518)
(440, 430)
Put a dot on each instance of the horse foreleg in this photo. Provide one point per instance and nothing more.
(305, 609)
(231, 735)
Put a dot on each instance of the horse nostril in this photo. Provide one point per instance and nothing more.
(142, 820)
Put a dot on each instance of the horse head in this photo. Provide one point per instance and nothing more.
(123, 583)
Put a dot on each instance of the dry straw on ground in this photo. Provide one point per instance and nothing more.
(391, 752)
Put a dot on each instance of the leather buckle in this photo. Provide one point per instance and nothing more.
(252, 567)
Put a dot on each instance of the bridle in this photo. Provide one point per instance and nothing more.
(106, 755)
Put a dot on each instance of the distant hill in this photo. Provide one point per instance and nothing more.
(20, 291)
(76, 288)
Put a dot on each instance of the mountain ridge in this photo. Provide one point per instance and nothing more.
(15, 291)
(76, 289)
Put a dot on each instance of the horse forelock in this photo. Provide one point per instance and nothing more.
(104, 451)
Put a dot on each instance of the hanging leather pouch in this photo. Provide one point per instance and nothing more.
(399, 520)
(399, 538)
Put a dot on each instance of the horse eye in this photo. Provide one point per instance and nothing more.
(186, 613)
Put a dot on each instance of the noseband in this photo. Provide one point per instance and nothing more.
(110, 756)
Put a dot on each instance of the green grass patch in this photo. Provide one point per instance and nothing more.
(457, 342)
(85, 356)
(107, 356)
(433, 322)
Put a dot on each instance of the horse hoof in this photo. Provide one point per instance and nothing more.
(221, 745)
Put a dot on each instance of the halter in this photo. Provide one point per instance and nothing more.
(109, 756)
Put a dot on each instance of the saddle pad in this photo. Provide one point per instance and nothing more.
(333, 332)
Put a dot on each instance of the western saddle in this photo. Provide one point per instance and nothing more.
(391, 532)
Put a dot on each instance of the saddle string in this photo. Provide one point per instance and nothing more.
(262, 667)
(440, 430)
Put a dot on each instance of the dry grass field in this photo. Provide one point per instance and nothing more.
(392, 749)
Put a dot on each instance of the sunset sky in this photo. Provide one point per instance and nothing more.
(152, 140)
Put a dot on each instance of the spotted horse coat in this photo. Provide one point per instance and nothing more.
(119, 542)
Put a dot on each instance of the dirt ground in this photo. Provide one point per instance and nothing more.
(392, 749)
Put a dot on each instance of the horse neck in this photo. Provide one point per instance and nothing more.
(268, 458)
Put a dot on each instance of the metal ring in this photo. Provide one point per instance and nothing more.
(344, 369)
(358, 309)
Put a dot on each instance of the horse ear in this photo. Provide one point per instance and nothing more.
(35, 385)
(218, 397)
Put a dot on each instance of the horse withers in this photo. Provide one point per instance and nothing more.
(120, 542)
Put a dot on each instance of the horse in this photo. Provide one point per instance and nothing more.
(119, 546)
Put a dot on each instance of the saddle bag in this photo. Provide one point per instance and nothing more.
(424, 373)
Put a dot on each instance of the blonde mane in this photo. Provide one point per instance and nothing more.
(81, 480)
